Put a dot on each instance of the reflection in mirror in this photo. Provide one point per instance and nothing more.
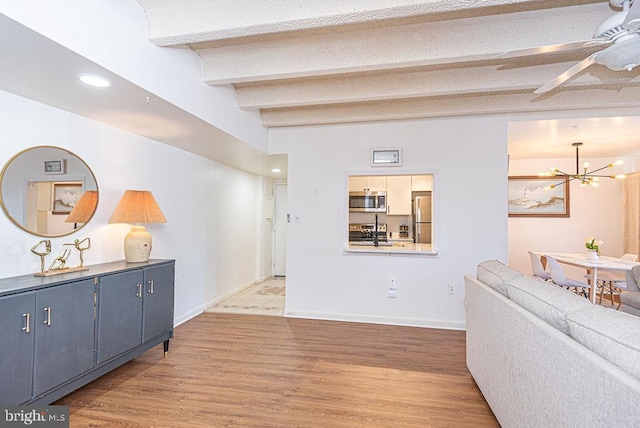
(41, 187)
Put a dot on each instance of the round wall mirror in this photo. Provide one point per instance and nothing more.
(48, 191)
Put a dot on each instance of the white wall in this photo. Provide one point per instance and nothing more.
(593, 212)
(114, 34)
(211, 209)
(469, 159)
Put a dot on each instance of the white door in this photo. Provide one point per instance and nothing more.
(280, 231)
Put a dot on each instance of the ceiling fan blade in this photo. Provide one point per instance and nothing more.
(632, 20)
(597, 42)
(566, 75)
(553, 48)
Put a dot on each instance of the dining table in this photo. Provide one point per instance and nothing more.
(604, 263)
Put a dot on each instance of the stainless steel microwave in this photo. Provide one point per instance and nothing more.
(368, 202)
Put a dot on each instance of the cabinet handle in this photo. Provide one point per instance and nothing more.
(150, 282)
(48, 311)
(27, 322)
(139, 291)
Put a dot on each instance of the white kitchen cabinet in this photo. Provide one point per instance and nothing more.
(421, 183)
(399, 195)
(376, 183)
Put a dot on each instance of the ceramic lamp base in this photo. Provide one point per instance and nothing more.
(137, 245)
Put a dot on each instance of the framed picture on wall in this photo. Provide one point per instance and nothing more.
(533, 196)
(55, 166)
(65, 196)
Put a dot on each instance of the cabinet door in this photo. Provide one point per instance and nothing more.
(368, 184)
(16, 353)
(357, 184)
(377, 183)
(421, 183)
(119, 313)
(399, 195)
(158, 300)
(65, 333)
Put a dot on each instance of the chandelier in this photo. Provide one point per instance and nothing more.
(586, 177)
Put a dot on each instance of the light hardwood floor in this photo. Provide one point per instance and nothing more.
(230, 370)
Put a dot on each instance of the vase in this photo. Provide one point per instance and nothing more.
(592, 255)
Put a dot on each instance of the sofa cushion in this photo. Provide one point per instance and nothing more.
(496, 275)
(547, 301)
(613, 335)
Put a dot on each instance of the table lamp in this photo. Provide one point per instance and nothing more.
(84, 209)
(135, 207)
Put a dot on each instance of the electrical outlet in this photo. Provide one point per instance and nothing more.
(451, 290)
(391, 293)
(296, 218)
(392, 284)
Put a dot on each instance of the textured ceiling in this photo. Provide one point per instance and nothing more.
(334, 61)
(330, 61)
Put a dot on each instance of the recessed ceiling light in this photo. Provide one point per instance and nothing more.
(276, 170)
(93, 80)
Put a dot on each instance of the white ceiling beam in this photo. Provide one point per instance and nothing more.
(174, 22)
(568, 99)
(418, 84)
(386, 48)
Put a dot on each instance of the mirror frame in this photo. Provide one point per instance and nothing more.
(18, 224)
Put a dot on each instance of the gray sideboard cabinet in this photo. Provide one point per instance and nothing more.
(132, 310)
(61, 332)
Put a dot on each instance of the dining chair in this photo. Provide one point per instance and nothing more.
(559, 278)
(612, 282)
(537, 268)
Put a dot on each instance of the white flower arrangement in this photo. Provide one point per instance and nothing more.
(592, 244)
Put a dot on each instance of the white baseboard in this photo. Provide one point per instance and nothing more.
(407, 322)
(263, 279)
(186, 317)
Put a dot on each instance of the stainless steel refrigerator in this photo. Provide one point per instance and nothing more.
(421, 217)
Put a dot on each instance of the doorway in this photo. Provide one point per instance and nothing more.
(280, 230)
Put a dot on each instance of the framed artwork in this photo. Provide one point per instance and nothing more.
(54, 166)
(530, 196)
(66, 196)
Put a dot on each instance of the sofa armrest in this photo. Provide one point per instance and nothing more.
(633, 279)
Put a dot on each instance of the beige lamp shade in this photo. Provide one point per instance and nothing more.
(84, 209)
(135, 207)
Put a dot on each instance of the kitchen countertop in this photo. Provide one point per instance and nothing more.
(410, 240)
(408, 248)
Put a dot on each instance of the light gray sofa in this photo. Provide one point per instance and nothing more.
(545, 357)
(630, 297)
